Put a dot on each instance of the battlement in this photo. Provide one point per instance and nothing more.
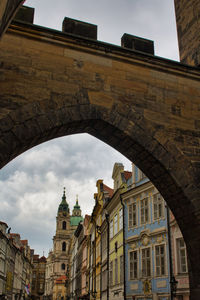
(88, 30)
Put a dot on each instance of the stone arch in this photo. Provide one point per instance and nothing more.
(39, 122)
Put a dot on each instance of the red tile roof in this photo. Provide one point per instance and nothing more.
(24, 242)
(61, 279)
(127, 174)
(108, 189)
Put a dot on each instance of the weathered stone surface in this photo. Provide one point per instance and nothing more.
(145, 107)
(136, 43)
(188, 27)
(25, 14)
(8, 9)
(79, 28)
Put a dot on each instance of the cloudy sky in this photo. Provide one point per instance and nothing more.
(32, 184)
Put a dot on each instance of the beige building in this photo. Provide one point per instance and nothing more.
(38, 280)
(58, 260)
(15, 264)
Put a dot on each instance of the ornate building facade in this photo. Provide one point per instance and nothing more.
(58, 260)
(147, 274)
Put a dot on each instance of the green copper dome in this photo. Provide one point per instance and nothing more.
(74, 221)
(63, 207)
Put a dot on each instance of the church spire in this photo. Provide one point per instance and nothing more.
(77, 208)
(63, 207)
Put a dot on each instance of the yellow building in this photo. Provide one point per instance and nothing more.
(59, 288)
(94, 252)
(114, 209)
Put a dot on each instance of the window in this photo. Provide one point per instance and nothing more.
(115, 224)
(160, 260)
(146, 262)
(63, 267)
(132, 215)
(63, 246)
(121, 269)
(144, 210)
(104, 241)
(182, 256)
(111, 273)
(104, 280)
(158, 206)
(63, 225)
(120, 219)
(116, 271)
(111, 229)
(133, 265)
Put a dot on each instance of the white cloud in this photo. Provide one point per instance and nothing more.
(32, 184)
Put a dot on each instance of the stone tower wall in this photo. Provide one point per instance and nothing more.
(188, 27)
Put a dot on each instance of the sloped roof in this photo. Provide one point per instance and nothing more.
(127, 174)
(24, 242)
(108, 189)
(61, 279)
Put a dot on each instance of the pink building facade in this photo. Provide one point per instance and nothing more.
(179, 261)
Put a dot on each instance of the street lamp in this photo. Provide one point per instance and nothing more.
(173, 284)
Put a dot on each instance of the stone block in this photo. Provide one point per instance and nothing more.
(137, 43)
(25, 14)
(79, 28)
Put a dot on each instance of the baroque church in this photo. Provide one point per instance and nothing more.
(58, 259)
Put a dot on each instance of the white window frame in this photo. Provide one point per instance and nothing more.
(179, 261)
(111, 229)
(158, 207)
(132, 215)
(146, 260)
(116, 223)
(135, 262)
(160, 260)
(144, 211)
(120, 218)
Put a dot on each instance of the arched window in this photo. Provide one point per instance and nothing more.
(63, 246)
(64, 225)
(63, 267)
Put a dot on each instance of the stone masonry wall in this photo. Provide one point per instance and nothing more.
(188, 27)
